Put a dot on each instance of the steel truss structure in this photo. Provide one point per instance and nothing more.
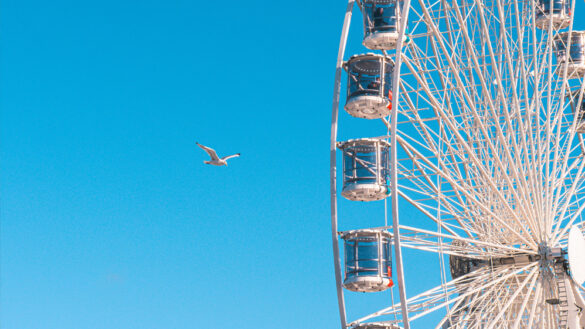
(486, 145)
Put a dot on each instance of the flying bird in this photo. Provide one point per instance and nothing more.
(215, 160)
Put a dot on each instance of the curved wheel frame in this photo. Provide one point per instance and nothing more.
(393, 182)
(533, 276)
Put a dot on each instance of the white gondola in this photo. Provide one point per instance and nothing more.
(556, 11)
(365, 169)
(376, 325)
(578, 109)
(368, 260)
(575, 57)
(369, 86)
(381, 23)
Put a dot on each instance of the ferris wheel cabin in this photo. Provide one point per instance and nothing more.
(368, 260)
(381, 22)
(369, 86)
(365, 169)
(556, 11)
(572, 52)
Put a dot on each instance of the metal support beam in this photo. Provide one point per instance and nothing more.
(333, 164)
(394, 166)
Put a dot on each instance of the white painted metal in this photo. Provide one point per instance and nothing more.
(579, 306)
(381, 40)
(366, 284)
(365, 192)
(394, 166)
(376, 325)
(575, 307)
(333, 162)
(485, 144)
(368, 107)
(577, 255)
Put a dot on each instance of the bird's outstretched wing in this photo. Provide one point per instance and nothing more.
(231, 156)
(209, 151)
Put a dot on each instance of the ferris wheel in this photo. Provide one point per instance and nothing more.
(483, 104)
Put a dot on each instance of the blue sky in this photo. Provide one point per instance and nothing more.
(110, 219)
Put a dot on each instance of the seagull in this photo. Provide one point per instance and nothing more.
(215, 160)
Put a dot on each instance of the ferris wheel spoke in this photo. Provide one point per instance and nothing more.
(485, 305)
(424, 301)
(450, 211)
(568, 168)
(453, 169)
(524, 122)
(428, 85)
(426, 209)
(506, 37)
(531, 277)
(528, 297)
(486, 143)
(573, 199)
(451, 144)
(417, 238)
(429, 215)
(464, 190)
(445, 52)
(555, 182)
(569, 224)
(422, 167)
(430, 298)
(580, 290)
(489, 281)
(428, 187)
(492, 54)
(447, 120)
(535, 301)
(569, 197)
(565, 151)
(572, 205)
(463, 287)
(548, 132)
(504, 310)
(506, 114)
(452, 315)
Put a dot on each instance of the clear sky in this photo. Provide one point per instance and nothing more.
(110, 219)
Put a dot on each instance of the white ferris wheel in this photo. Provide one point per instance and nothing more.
(483, 104)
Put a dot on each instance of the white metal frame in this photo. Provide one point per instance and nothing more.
(485, 145)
